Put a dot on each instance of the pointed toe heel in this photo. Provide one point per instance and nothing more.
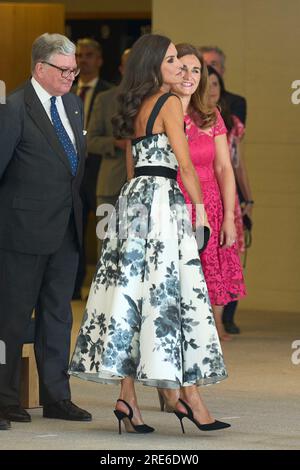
(127, 419)
(215, 426)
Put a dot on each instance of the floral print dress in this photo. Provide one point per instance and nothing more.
(148, 314)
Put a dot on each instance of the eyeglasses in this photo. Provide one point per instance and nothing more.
(65, 73)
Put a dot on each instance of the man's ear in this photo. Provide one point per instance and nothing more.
(38, 69)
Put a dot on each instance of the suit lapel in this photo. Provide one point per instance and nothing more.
(37, 112)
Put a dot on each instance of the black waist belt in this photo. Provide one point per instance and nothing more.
(155, 171)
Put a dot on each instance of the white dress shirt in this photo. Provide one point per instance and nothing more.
(44, 98)
(88, 96)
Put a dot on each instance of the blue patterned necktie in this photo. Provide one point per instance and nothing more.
(63, 136)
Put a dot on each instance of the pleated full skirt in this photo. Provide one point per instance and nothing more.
(148, 314)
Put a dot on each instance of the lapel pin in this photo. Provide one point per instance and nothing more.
(76, 112)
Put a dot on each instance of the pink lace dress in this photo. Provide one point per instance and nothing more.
(221, 266)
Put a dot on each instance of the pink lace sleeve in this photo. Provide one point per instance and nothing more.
(239, 128)
(219, 128)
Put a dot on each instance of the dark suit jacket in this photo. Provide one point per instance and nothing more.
(237, 105)
(37, 190)
(102, 85)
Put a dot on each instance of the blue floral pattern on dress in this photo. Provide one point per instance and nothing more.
(148, 314)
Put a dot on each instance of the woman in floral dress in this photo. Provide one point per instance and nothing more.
(148, 317)
(208, 147)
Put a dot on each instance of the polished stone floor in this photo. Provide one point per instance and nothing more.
(261, 399)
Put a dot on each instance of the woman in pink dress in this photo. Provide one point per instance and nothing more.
(209, 151)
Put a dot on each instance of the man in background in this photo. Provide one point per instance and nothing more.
(101, 141)
(215, 57)
(89, 58)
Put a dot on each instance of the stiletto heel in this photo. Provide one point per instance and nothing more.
(203, 427)
(120, 415)
(127, 418)
(180, 416)
(163, 405)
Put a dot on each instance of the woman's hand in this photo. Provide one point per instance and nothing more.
(228, 232)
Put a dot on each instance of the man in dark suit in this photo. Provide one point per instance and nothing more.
(215, 57)
(89, 57)
(41, 167)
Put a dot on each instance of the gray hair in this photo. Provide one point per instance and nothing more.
(48, 44)
(215, 49)
(89, 42)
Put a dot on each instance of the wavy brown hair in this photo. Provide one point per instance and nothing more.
(142, 78)
(203, 114)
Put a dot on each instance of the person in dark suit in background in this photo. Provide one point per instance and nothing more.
(101, 141)
(237, 105)
(41, 166)
(215, 57)
(89, 58)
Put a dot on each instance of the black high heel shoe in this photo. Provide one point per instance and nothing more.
(163, 405)
(203, 427)
(129, 426)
